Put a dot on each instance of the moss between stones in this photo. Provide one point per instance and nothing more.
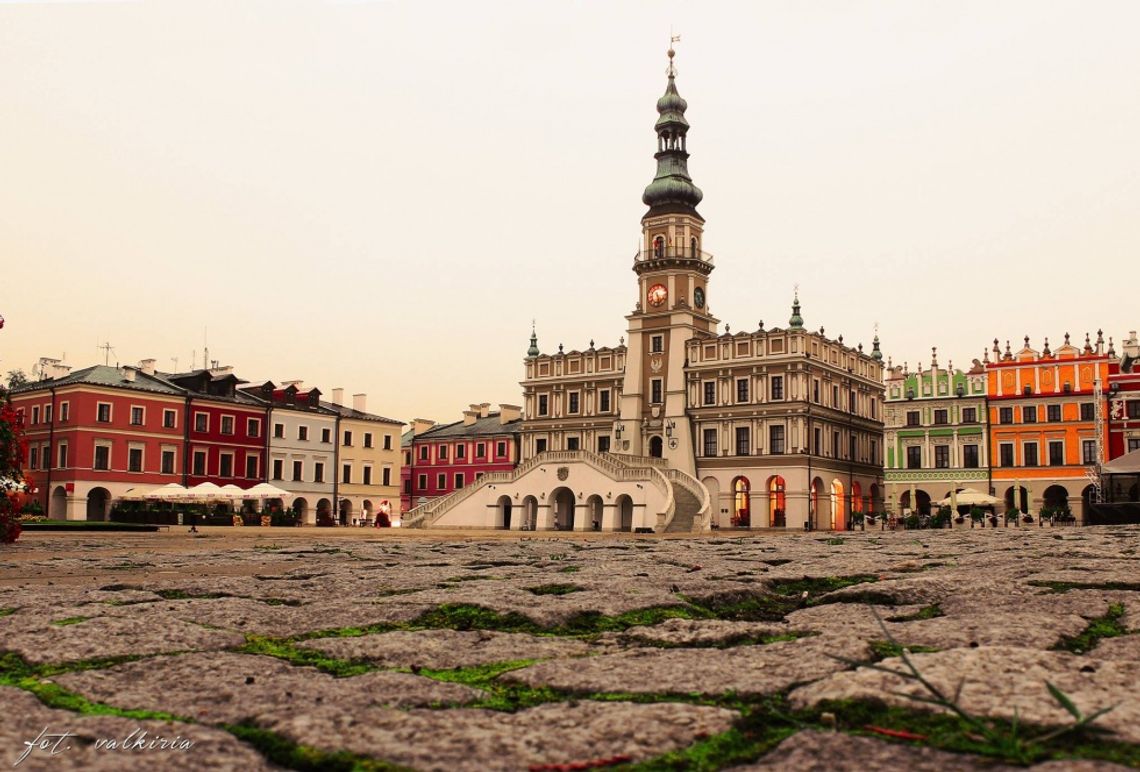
(69, 621)
(926, 612)
(6, 611)
(291, 755)
(1059, 587)
(883, 649)
(295, 655)
(554, 589)
(1107, 626)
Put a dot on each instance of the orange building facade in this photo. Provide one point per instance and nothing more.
(1043, 424)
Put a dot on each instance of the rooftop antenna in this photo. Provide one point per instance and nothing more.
(106, 348)
(175, 361)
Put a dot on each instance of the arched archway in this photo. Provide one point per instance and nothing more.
(594, 509)
(813, 501)
(624, 513)
(345, 511)
(367, 507)
(1021, 501)
(921, 505)
(57, 508)
(503, 513)
(324, 512)
(838, 510)
(1087, 496)
(563, 504)
(98, 503)
(777, 502)
(301, 509)
(857, 502)
(656, 447)
(1056, 497)
(876, 495)
(712, 485)
(741, 502)
(530, 513)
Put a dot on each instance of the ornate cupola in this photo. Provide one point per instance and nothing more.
(876, 352)
(672, 190)
(796, 322)
(533, 351)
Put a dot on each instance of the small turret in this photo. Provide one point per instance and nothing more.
(797, 321)
(876, 352)
(533, 351)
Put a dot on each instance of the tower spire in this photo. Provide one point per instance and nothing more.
(672, 189)
(797, 321)
(533, 350)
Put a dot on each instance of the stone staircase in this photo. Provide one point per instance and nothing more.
(687, 507)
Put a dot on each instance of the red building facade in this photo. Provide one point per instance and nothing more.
(444, 458)
(226, 430)
(1124, 401)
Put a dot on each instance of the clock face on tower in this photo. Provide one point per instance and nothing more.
(699, 297)
(657, 295)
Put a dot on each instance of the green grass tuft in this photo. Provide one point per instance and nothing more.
(69, 621)
(884, 649)
(1107, 626)
(295, 655)
(926, 612)
(291, 755)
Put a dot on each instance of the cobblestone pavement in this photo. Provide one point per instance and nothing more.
(345, 649)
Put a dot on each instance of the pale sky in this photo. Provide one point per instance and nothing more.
(381, 195)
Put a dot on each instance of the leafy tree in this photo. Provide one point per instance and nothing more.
(16, 378)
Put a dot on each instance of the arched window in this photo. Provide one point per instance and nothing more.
(741, 503)
(777, 502)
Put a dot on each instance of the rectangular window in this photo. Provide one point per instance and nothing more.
(103, 412)
(348, 439)
(346, 473)
(851, 447)
(572, 443)
(460, 451)
(201, 422)
(423, 453)
(657, 344)
(386, 476)
(543, 404)
(655, 389)
(710, 393)
(63, 455)
(303, 433)
(199, 468)
(279, 431)
(835, 444)
(540, 445)
(500, 449)
(604, 401)
(168, 462)
(252, 427)
(709, 444)
(1030, 452)
(969, 415)
(817, 447)
(1131, 408)
(777, 387)
(741, 390)
(604, 443)
(970, 456)
(326, 435)
(1133, 444)
(441, 482)
(743, 441)
(422, 482)
(1056, 453)
(1006, 450)
(874, 452)
(278, 469)
(227, 424)
(480, 450)
(776, 440)
(34, 458)
(1053, 413)
(835, 397)
(226, 465)
(169, 419)
(408, 486)
(852, 401)
(441, 452)
(102, 457)
(366, 478)
(1088, 411)
(913, 418)
(1029, 414)
(573, 406)
(874, 408)
(64, 411)
(35, 414)
(941, 417)
(941, 456)
(318, 471)
(299, 469)
(136, 416)
(368, 439)
(815, 391)
(1088, 451)
(459, 480)
(1005, 415)
(914, 457)
(251, 468)
(387, 442)
(134, 459)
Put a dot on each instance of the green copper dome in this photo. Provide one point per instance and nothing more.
(672, 189)
(797, 321)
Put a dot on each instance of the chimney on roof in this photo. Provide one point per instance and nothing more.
(128, 373)
(360, 403)
(508, 413)
(147, 366)
(215, 370)
(338, 396)
(470, 416)
(421, 425)
(484, 409)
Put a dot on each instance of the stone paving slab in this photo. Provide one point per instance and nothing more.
(26, 719)
(227, 687)
(558, 733)
(442, 649)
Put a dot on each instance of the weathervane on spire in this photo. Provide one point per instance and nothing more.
(672, 71)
